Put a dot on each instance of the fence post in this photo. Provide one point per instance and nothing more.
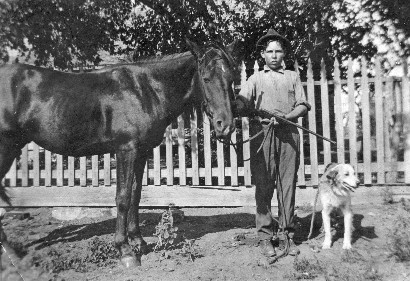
(301, 181)
(325, 112)
(406, 120)
(352, 115)
(312, 126)
(194, 149)
(338, 114)
(379, 113)
(366, 125)
(169, 155)
(181, 151)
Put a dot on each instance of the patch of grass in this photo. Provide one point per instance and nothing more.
(18, 248)
(399, 239)
(306, 269)
(352, 257)
(387, 195)
(346, 273)
(405, 204)
(98, 253)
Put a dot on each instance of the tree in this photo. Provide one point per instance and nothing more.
(59, 32)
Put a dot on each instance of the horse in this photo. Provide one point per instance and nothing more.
(122, 109)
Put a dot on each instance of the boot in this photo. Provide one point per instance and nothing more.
(267, 248)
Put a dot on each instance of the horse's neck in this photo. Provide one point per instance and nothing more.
(180, 85)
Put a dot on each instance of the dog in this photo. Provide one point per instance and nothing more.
(335, 186)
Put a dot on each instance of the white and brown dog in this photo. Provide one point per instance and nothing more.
(335, 186)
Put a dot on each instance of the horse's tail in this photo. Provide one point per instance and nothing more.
(3, 194)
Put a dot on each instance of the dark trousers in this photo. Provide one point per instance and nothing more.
(274, 167)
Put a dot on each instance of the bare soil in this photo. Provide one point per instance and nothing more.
(224, 247)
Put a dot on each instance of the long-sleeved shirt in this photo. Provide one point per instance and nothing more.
(270, 90)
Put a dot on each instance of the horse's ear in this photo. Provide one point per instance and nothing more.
(195, 49)
(235, 49)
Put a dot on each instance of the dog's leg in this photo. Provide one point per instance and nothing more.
(326, 225)
(348, 216)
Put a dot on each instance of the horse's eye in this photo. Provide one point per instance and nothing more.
(207, 80)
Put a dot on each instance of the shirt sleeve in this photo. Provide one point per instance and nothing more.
(248, 91)
(300, 94)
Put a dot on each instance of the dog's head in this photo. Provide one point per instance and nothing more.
(343, 176)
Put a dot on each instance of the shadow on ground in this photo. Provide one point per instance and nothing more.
(337, 223)
(192, 227)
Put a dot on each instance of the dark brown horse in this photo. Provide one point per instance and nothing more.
(123, 109)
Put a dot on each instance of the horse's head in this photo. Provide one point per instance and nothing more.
(216, 76)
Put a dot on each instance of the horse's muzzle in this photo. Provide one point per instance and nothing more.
(223, 130)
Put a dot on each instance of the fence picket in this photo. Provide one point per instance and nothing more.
(388, 109)
(379, 113)
(352, 115)
(233, 161)
(194, 149)
(24, 166)
(60, 170)
(169, 154)
(36, 164)
(181, 151)
(207, 150)
(221, 163)
(47, 163)
(71, 171)
(83, 171)
(107, 169)
(406, 120)
(94, 170)
(246, 151)
(12, 174)
(325, 112)
(366, 125)
(157, 166)
(312, 126)
(339, 114)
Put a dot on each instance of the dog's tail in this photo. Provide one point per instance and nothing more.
(313, 214)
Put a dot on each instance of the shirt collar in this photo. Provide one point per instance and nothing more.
(267, 69)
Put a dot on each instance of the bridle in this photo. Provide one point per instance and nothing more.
(203, 62)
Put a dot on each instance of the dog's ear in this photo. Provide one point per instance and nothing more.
(331, 175)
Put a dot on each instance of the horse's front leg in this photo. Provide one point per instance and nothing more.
(134, 231)
(125, 177)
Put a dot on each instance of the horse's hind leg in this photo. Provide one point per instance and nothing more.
(134, 231)
(7, 156)
(125, 177)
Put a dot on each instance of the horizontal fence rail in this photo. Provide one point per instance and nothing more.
(368, 117)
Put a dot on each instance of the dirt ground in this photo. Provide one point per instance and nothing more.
(214, 244)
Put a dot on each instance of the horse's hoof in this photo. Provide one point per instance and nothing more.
(130, 261)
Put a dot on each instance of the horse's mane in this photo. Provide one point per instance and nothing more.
(159, 59)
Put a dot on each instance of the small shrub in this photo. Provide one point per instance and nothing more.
(399, 239)
(165, 232)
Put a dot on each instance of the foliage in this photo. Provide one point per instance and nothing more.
(165, 231)
(399, 239)
(58, 33)
(56, 259)
(306, 269)
(387, 195)
(170, 239)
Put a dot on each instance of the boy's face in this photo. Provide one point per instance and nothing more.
(273, 55)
